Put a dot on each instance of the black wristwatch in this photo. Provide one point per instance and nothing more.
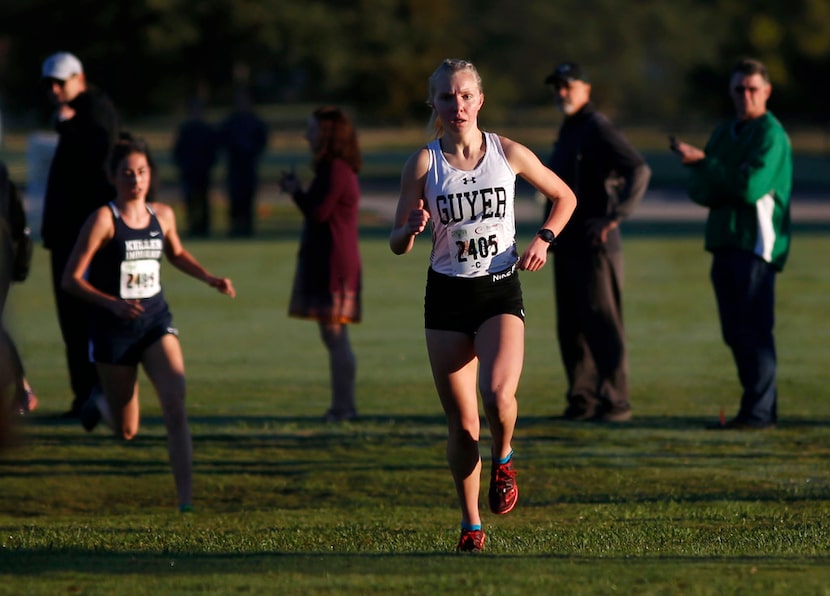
(547, 235)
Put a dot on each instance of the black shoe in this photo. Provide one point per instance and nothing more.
(334, 415)
(577, 414)
(614, 416)
(90, 415)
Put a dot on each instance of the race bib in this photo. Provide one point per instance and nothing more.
(140, 279)
(474, 245)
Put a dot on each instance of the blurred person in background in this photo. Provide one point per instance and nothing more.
(15, 261)
(463, 183)
(116, 267)
(327, 283)
(195, 151)
(87, 126)
(8, 428)
(744, 177)
(244, 138)
(609, 178)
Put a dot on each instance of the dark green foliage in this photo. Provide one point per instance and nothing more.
(649, 59)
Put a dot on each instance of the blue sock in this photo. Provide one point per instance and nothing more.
(506, 459)
(470, 527)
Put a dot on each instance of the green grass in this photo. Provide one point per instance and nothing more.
(287, 504)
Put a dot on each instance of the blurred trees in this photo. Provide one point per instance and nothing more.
(648, 59)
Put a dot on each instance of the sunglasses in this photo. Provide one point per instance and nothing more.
(50, 82)
(741, 89)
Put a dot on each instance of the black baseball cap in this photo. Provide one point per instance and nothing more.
(565, 73)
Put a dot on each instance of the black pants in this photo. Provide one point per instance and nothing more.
(73, 319)
(242, 195)
(198, 210)
(745, 289)
(590, 329)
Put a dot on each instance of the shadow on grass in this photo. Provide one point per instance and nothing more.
(400, 422)
(23, 562)
(260, 462)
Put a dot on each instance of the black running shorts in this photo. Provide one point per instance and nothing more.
(124, 342)
(463, 304)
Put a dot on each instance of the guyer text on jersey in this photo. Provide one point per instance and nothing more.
(488, 202)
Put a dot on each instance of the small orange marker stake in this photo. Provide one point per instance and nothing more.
(722, 417)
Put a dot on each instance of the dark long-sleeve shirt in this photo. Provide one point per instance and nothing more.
(608, 176)
(78, 182)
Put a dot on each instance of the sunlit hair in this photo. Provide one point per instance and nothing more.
(448, 67)
(338, 139)
(749, 66)
(127, 144)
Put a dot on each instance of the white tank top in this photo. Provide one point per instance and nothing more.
(473, 223)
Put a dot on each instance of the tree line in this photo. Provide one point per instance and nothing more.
(647, 59)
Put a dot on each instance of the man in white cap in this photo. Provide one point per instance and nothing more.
(87, 126)
(64, 78)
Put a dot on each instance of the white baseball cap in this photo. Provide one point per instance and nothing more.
(61, 66)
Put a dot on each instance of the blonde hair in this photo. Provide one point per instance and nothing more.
(450, 66)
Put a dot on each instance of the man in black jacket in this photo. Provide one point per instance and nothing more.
(609, 178)
(87, 126)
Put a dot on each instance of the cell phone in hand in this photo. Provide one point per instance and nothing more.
(673, 144)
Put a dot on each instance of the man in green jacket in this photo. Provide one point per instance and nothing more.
(744, 177)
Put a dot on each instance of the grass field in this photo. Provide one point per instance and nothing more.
(287, 504)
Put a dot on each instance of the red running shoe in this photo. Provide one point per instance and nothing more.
(504, 492)
(472, 541)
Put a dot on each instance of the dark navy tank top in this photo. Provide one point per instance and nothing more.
(129, 265)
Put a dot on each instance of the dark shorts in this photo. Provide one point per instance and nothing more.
(463, 304)
(124, 342)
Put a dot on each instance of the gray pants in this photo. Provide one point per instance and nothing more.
(590, 328)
